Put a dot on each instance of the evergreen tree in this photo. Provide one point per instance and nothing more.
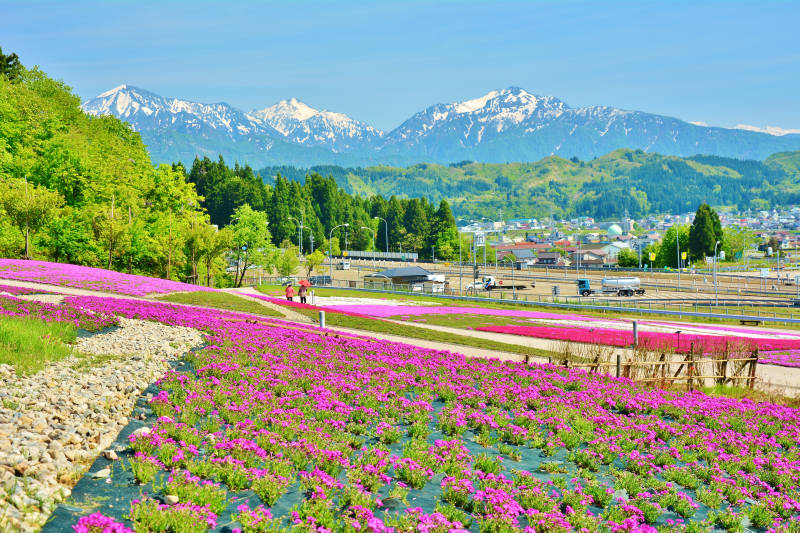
(703, 234)
(10, 67)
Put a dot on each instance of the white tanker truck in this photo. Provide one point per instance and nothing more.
(612, 287)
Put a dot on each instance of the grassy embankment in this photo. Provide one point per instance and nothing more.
(220, 300)
(28, 344)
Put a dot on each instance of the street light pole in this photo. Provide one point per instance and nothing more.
(330, 254)
(716, 295)
(386, 232)
(299, 233)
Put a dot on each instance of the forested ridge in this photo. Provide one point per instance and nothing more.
(640, 182)
(83, 190)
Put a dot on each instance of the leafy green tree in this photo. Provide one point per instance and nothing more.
(653, 248)
(10, 67)
(69, 239)
(313, 261)
(28, 207)
(444, 233)
(335, 248)
(737, 241)
(705, 232)
(667, 255)
(213, 248)
(628, 258)
(251, 241)
(288, 261)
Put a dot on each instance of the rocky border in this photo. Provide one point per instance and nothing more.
(54, 424)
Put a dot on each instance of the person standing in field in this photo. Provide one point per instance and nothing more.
(301, 292)
(289, 292)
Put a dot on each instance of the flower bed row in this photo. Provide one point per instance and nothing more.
(96, 279)
(87, 320)
(784, 352)
(345, 435)
(19, 291)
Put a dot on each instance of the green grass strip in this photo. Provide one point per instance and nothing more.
(412, 332)
(28, 344)
(220, 300)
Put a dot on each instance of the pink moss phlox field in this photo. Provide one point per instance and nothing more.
(88, 320)
(368, 435)
(97, 523)
(385, 311)
(18, 291)
(96, 279)
(681, 343)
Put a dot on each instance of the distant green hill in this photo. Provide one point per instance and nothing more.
(633, 180)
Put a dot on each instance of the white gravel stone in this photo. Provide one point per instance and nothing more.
(53, 424)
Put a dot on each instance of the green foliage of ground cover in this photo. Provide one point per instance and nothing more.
(220, 300)
(28, 344)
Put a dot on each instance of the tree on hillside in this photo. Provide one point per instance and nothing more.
(251, 241)
(68, 239)
(213, 248)
(29, 207)
(10, 67)
(705, 232)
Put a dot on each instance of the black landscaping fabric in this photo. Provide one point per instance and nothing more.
(113, 496)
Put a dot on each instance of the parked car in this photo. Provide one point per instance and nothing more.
(343, 265)
(320, 280)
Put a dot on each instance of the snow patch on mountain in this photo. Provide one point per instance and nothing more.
(771, 130)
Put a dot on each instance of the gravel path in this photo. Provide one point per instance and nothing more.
(54, 423)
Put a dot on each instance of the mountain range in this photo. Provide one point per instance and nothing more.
(500, 126)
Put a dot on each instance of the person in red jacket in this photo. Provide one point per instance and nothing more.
(289, 292)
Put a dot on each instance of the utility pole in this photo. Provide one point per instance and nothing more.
(312, 242)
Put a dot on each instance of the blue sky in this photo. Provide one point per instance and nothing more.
(722, 63)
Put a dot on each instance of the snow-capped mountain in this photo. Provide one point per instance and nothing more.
(303, 124)
(144, 111)
(481, 118)
(502, 125)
